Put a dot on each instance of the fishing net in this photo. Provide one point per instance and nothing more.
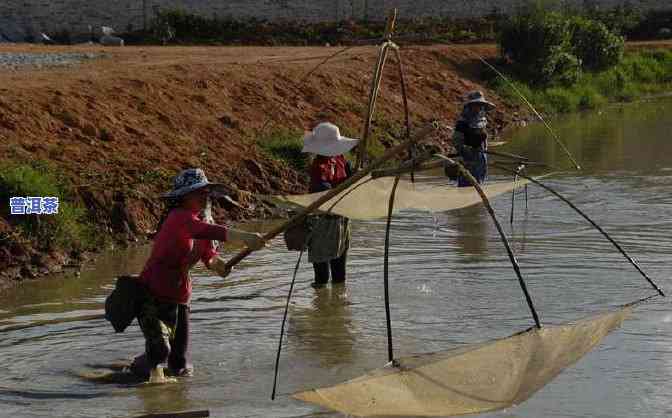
(472, 379)
(369, 198)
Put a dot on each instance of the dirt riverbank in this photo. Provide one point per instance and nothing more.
(118, 127)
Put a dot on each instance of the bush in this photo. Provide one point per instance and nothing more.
(534, 41)
(552, 48)
(596, 47)
(67, 229)
(563, 69)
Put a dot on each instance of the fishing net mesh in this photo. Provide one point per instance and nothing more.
(369, 198)
(473, 379)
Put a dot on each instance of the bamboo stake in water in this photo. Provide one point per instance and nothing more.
(386, 271)
(282, 327)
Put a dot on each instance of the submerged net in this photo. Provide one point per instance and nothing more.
(369, 198)
(473, 379)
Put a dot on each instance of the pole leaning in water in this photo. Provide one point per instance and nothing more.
(386, 271)
(282, 328)
(491, 211)
(389, 154)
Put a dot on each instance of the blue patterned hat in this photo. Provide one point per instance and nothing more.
(188, 181)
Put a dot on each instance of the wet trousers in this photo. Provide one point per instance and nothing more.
(336, 266)
(165, 327)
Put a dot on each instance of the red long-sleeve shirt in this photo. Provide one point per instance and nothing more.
(181, 242)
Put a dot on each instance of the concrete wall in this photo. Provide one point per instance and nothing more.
(18, 16)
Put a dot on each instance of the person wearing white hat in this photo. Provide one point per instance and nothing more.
(183, 239)
(330, 235)
(470, 137)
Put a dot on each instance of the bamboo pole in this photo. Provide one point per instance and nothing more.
(282, 327)
(185, 414)
(393, 172)
(375, 86)
(386, 271)
(389, 154)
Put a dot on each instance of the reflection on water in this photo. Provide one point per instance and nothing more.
(451, 284)
(471, 225)
(324, 328)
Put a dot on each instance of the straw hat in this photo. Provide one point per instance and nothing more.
(326, 140)
(188, 181)
(478, 97)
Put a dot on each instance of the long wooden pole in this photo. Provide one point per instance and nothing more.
(386, 271)
(375, 86)
(282, 327)
(389, 154)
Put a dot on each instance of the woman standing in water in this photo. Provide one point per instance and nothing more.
(471, 139)
(184, 238)
(330, 234)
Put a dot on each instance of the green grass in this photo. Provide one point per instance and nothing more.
(285, 145)
(68, 229)
(638, 74)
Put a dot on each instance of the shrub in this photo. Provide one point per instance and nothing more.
(596, 47)
(563, 68)
(552, 48)
(534, 41)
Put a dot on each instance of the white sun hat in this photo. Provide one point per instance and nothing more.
(326, 140)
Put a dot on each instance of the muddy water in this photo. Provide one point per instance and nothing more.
(451, 284)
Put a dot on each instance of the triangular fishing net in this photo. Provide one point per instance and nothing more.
(369, 198)
(473, 379)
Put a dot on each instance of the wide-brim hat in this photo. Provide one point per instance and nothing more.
(188, 181)
(479, 97)
(326, 140)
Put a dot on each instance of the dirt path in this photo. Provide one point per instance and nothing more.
(119, 127)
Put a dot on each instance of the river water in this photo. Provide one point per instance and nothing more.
(451, 284)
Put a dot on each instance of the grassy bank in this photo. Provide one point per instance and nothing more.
(639, 74)
(68, 229)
